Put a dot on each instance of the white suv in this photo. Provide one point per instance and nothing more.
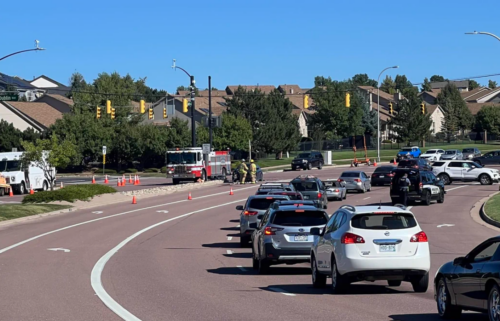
(432, 154)
(460, 170)
(368, 243)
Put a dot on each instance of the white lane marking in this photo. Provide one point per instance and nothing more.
(229, 238)
(97, 212)
(238, 225)
(409, 208)
(95, 276)
(162, 211)
(446, 225)
(59, 249)
(229, 252)
(241, 268)
(9, 202)
(106, 217)
(451, 189)
(278, 290)
(366, 198)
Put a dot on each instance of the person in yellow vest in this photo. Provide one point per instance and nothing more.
(243, 171)
(253, 171)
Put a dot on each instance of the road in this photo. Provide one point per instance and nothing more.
(168, 258)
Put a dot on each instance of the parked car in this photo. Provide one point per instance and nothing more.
(335, 189)
(490, 158)
(470, 282)
(356, 181)
(368, 243)
(311, 188)
(424, 187)
(465, 171)
(452, 154)
(432, 154)
(470, 153)
(259, 176)
(383, 175)
(408, 152)
(308, 161)
(255, 205)
(420, 163)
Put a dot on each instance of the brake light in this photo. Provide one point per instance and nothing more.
(420, 185)
(350, 238)
(299, 211)
(272, 230)
(319, 195)
(249, 213)
(390, 174)
(357, 180)
(269, 198)
(384, 212)
(340, 180)
(419, 237)
(336, 190)
(415, 166)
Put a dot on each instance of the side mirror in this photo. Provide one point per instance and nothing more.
(473, 167)
(239, 207)
(315, 231)
(459, 261)
(368, 176)
(259, 217)
(253, 225)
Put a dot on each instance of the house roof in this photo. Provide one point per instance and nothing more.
(476, 107)
(384, 112)
(383, 94)
(298, 102)
(215, 93)
(433, 93)
(15, 81)
(430, 109)
(290, 89)
(49, 79)
(475, 94)
(62, 98)
(442, 84)
(218, 105)
(42, 113)
(265, 88)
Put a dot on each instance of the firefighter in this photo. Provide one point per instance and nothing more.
(243, 171)
(253, 171)
(404, 186)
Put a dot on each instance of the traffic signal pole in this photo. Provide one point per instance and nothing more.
(193, 123)
(210, 111)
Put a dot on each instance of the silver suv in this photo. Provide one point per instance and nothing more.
(283, 235)
(256, 205)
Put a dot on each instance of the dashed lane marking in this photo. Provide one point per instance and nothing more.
(229, 252)
(446, 225)
(241, 268)
(97, 212)
(454, 188)
(366, 198)
(278, 290)
(59, 249)
(238, 225)
(229, 238)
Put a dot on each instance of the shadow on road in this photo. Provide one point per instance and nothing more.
(435, 317)
(230, 228)
(354, 289)
(250, 271)
(227, 245)
(232, 271)
(234, 235)
(239, 255)
(234, 221)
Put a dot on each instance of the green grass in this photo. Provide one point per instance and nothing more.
(70, 194)
(492, 207)
(10, 211)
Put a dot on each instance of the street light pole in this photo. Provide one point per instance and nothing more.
(37, 48)
(483, 33)
(378, 110)
(193, 123)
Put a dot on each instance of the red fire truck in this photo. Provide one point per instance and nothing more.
(190, 164)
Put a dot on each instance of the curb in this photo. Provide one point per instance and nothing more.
(485, 216)
(35, 217)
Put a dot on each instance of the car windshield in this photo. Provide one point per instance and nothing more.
(10, 166)
(305, 186)
(406, 149)
(304, 155)
(299, 218)
(476, 164)
(431, 151)
(262, 203)
(413, 176)
(450, 152)
(350, 174)
(468, 150)
(383, 221)
(181, 158)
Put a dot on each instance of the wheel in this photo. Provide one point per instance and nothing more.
(263, 265)
(45, 186)
(175, 181)
(320, 165)
(445, 309)
(22, 188)
(363, 190)
(426, 198)
(394, 282)
(261, 177)
(420, 283)
(485, 179)
(255, 262)
(345, 195)
(441, 198)
(235, 177)
(244, 240)
(445, 178)
(309, 166)
(339, 283)
(370, 189)
(494, 303)
(318, 279)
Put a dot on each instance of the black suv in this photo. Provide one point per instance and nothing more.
(424, 187)
(311, 188)
(419, 163)
(308, 161)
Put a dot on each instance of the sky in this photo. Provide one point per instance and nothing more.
(261, 42)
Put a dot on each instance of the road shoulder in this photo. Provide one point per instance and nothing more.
(478, 215)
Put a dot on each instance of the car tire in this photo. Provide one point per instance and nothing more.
(318, 279)
(370, 189)
(255, 261)
(394, 282)
(485, 179)
(446, 310)
(445, 178)
(345, 195)
(493, 298)
(45, 186)
(309, 166)
(426, 198)
(339, 283)
(22, 188)
(441, 198)
(363, 190)
(263, 266)
(420, 284)
(320, 165)
(244, 241)
(175, 181)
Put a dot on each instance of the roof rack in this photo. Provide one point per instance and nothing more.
(349, 207)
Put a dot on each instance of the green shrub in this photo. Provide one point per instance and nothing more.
(164, 169)
(108, 171)
(121, 172)
(69, 194)
(131, 170)
(151, 170)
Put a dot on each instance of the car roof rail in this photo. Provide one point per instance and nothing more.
(401, 206)
(349, 207)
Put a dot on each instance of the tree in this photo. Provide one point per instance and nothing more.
(404, 85)
(488, 118)
(47, 154)
(188, 89)
(147, 93)
(492, 84)
(363, 80)
(473, 84)
(369, 118)
(457, 115)
(388, 85)
(234, 134)
(438, 78)
(426, 86)
(409, 124)
(179, 133)
(10, 137)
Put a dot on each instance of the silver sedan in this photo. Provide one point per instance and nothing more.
(335, 190)
(356, 181)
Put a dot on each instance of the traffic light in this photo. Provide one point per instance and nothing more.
(422, 106)
(113, 113)
(98, 113)
(348, 100)
(143, 106)
(108, 106)
(306, 101)
(165, 112)
(391, 110)
(151, 116)
(185, 105)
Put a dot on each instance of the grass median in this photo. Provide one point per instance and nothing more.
(12, 211)
(492, 208)
(71, 193)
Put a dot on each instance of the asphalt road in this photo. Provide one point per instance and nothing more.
(168, 258)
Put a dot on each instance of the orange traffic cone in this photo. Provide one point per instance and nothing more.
(106, 181)
(11, 193)
(31, 190)
(231, 191)
(136, 182)
(118, 183)
(93, 179)
(375, 163)
(134, 201)
(124, 181)
(62, 185)
(189, 196)
(130, 178)
(394, 161)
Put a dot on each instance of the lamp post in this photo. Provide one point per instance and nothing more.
(483, 33)
(193, 124)
(37, 48)
(378, 110)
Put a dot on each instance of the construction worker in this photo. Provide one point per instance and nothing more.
(404, 187)
(253, 171)
(243, 171)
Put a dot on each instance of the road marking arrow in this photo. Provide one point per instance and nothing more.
(446, 225)
(59, 249)
(162, 211)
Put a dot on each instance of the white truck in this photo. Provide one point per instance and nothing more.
(22, 178)
(465, 171)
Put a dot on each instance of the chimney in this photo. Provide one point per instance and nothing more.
(397, 96)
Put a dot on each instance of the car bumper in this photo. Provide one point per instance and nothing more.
(385, 180)
(299, 165)
(334, 194)
(354, 186)
(190, 176)
(287, 255)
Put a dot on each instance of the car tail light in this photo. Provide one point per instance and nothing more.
(250, 213)
(357, 180)
(419, 237)
(340, 180)
(336, 190)
(319, 195)
(272, 230)
(390, 174)
(384, 212)
(420, 185)
(349, 238)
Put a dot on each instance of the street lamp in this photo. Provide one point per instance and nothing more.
(378, 110)
(192, 82)
(37, 48)
(483, 33)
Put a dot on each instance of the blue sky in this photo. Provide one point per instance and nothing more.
(250, 42)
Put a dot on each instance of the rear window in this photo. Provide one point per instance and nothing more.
(468, 150)
(450, 152)
(261, 203)
(291, 196)
(384, 169)
(306, 218)
(413, 176)
(383, 221)
(304, 155)
(305, 186)
(350, 174)
(431, 151)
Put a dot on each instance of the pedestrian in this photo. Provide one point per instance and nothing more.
(253, 171)
(243, 171)
(404, 187)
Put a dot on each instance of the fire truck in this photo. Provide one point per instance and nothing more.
(190, 164)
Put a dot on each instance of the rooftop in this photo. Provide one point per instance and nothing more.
(42, 113)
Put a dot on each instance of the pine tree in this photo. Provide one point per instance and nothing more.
(388, 85)
(426, 86)
(459, 116)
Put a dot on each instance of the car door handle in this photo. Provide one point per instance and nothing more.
(478, 271)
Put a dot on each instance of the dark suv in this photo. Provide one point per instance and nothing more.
(308, 161)
(420, 163)
(424, 187)
(311, 188)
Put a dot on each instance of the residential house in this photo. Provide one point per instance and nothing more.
(462, 85)
(24, 115)
(59, 102)
(20, 86)
(296, 96)
(50, 86)
(481, 97)
(430, 97)
(174, 107)
(437, 117)
(230, 90)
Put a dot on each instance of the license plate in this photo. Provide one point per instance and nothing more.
(300, 238)
(306, 197)
(388, 248)
(382, 176)
(176, 175)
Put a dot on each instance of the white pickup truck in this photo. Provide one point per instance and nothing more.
(465, 171)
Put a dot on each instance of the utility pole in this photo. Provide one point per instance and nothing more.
(192, 85)
(210, 111)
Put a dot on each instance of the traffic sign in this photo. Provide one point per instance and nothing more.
(206, 148)
(9, 97)
(104, 150)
